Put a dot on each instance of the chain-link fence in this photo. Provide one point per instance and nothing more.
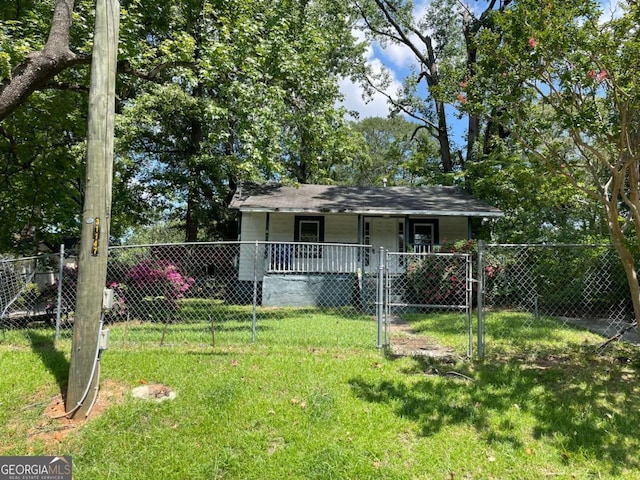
(428, 304)
(196, 293)
(543, 297)
(31, 293)
(532, 298)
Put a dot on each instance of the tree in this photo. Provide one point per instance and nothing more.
(209, 94)
(440, 41)
(239, 91)
(581, 70)
(42, 171)
(538, 207)
(42, 138)
(393, 153)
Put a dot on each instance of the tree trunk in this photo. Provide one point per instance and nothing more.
(191, 219)
(443, 139)
(625, 255)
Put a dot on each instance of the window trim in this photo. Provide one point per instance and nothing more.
(309, 218)
(316, 251)
(435, 225)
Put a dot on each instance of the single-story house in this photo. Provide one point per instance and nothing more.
(399, 219)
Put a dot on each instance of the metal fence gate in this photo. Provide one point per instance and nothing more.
(434, 292)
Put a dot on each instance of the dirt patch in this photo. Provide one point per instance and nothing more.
(155, 392)
(405, 341)
(54, 426)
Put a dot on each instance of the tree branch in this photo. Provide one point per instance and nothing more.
(38, 68)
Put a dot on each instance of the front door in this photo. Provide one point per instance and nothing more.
(385, 233)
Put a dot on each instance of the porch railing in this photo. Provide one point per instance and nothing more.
(299, 257)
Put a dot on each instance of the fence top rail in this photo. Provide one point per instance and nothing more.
(431, 254)
(246, 242)
(22, 259)
(551, 245)
(326, 244)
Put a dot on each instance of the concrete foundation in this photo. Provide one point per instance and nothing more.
(310, 290)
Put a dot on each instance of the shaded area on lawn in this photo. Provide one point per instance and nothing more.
(585, 405)
(314, 399)
(201, 322)
(53, 359)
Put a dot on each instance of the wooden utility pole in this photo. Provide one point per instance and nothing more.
(96, 213)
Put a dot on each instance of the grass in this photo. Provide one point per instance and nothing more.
(313, 399)
(507, 333)
(231, 325)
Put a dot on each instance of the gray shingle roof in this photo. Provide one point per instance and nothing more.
(441, 201)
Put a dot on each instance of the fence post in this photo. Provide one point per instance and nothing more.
(255, 293)
(380, 295)
(480, 295)
(59, 293)
(469, 302)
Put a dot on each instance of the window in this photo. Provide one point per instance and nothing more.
(309, 230)
(423, 234)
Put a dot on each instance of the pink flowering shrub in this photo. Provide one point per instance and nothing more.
(151, 288)
(159, 278)
(441, 279)
(148, 288)
(438, 280)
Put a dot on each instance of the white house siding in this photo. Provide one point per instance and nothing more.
(341, 229)
(338, 228)
(252, 228)
(454, 228)
(281, 226)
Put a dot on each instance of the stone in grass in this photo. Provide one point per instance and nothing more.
(156, 392)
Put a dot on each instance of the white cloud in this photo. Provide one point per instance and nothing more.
(354, 93)
(354, 101)
(400, 56)
(395, 59)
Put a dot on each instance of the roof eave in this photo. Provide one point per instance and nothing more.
(432, 213)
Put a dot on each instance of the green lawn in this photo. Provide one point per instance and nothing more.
(507, 333)
(313, 398)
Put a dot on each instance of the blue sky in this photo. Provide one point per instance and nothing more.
(397, 60)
